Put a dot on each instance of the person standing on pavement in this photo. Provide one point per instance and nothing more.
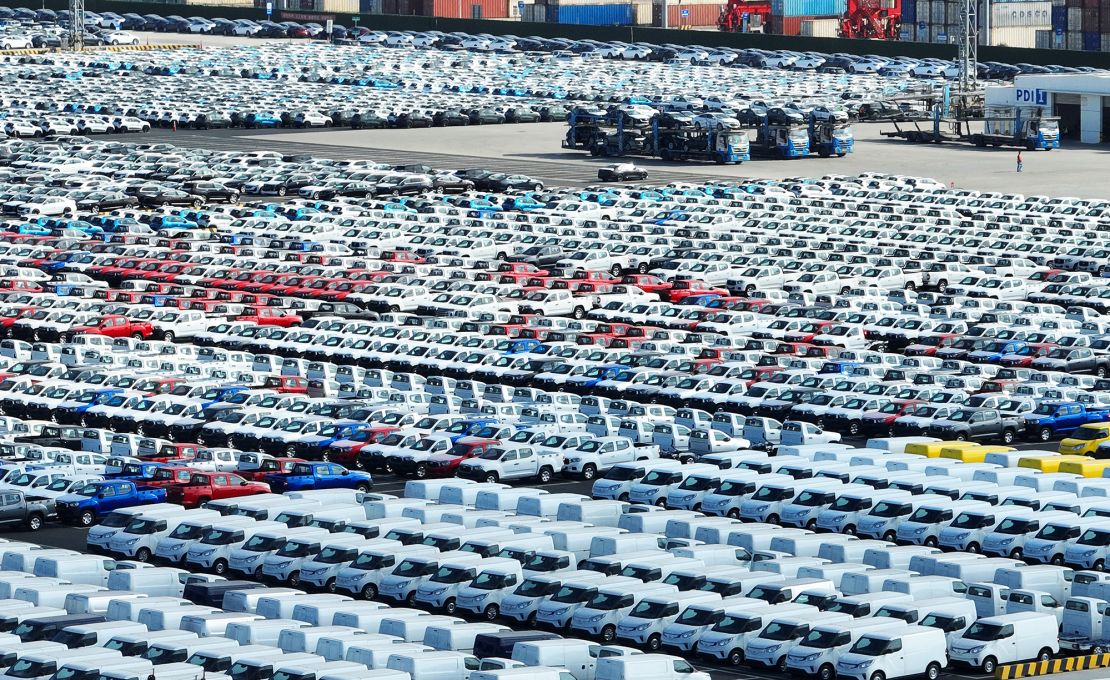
(1019, 163)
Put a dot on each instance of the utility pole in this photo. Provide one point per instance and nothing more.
(969, 46)
(76, 25)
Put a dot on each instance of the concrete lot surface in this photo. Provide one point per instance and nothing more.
(534, 149)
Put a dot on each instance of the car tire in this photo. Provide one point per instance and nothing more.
(142, 555)
(589, 472)
(608, 633)
(34, 522)
(369, 591)
(736, 657)
(492, 478)
(219, 567)
(88, 518)
(362, 487)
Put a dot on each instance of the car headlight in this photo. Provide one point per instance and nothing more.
(962, 535)
(436, 593)
(976, 650)
(205, 553)
(1006, 541)
(133, 541)
(1088, 553)
(809, 657)
(479, 598)
(595, 617)
(919, 530)
(772, 649)
(641, 626)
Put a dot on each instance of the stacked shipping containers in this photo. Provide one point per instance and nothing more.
(1015, 23)
(787, 15)
(687, 13)
(1064, 24)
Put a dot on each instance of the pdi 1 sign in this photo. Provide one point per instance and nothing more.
(1033, 97)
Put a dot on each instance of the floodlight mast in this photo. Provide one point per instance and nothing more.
(969, 47)
(76, 40)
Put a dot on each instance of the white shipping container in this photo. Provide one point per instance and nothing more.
(943, 34)
(1105, 42)
(642, 13)
(820, 28)
(1075, 18)
(1037, 14)
(1014, 36)
(1044, 40)
(1073, 40)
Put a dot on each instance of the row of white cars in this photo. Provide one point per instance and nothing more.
(718, 588)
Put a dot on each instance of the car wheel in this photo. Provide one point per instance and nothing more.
(34, 522)
(1045, 434)
(826, 672)
(281, 191)
(143, 555)
(589, 472)
(492, 478)
(1008, 437)
(369, 591)
(736, 657)
(219, 567)
(609, 633)
(362, 487)
(491, 612)
(878, 675)
(169, 336)
(87, 518)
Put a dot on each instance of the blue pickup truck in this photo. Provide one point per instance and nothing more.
(1053, 418)
(306, 476)
(96, 499)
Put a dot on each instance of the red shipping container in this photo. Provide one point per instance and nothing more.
(464, 9)
(1104, 18)
(1092, 4)
(697, 15)
(1090, 21)
(1075, 3)
(777, 25)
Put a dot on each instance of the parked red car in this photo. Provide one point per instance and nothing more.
(117, 326)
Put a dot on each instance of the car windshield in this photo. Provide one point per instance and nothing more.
(734, 625)
(825, 639)
(541, 562)
(850, 504)
(623, 474)
(1090, 434)
(532, 588)
(1096, 537)
(869, 646)
(777, 630)
(572, 594)
(926, 515)
(447, 574)
(983, 632)
(334, 555)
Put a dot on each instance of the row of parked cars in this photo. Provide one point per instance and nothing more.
(748, 57)
(315, 85)
(712, 588)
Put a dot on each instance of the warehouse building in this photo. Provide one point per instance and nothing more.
(1080, 100)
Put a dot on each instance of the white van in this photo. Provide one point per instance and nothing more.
(897, 556)
(97, 602)
(782, 634)
(246, 601)
(169, 618)
(1008, 539)
(734, 488)
(820, 650)
(953, 615)
(643, 625)
(968, 530)
(768, 502)
(1050, 544)
(84, 569)
(622, 544)
(266, 664)
(458, 637)
(641, 666)
(179, 651)
(282, 606)
(364, 574)
(299, 552)
(578, 657)
(140, 537)
(523, 603)
(308, 638)
(556, 611)
(434, 665)
(1049, 578)
(44, 664)
(844, 514)
(134, 644)
(464, 492)
(100, 536)
(375, 655)
(260, 631)
(861, 605)
(127, 609)
(599, 513)
(52, 595)
(1006, 639)
(430, 489)
(882, 521)
(910, 651)
(923, 527)
(251, 557)
(656, 484)
(153, 581)
(925, 587)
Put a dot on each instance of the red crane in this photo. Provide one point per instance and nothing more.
(732, 18)
(872, 19)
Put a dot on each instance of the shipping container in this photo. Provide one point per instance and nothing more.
(464, 9)
(1106, 42)
(943, 34)
(1075, 18)
(696, 14)
(535, 13)
(590, 15)
(1060, 18)
(1104, 18)
(1073, 40)
(1043, 40)
(820, 28)
(1014, 36)
(808, 8)
(1022, 14)
(643, 14)
(909, 12)
(1092, 42)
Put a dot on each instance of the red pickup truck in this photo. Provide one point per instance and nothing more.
(117, 326)
(171, 475)
(209, 486)
(268, 316)
(271, 466)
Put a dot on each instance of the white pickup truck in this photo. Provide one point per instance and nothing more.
(601, 454)
(512, 462)
(179, 323)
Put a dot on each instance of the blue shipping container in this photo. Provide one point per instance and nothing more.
(1060, 18)
(591, 15)
(807, 8)
(1092, 42)
(909, 12)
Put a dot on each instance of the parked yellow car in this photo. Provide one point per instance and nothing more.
(976, 453)
(933, 449)
(1051, 463)
(1086, 439)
